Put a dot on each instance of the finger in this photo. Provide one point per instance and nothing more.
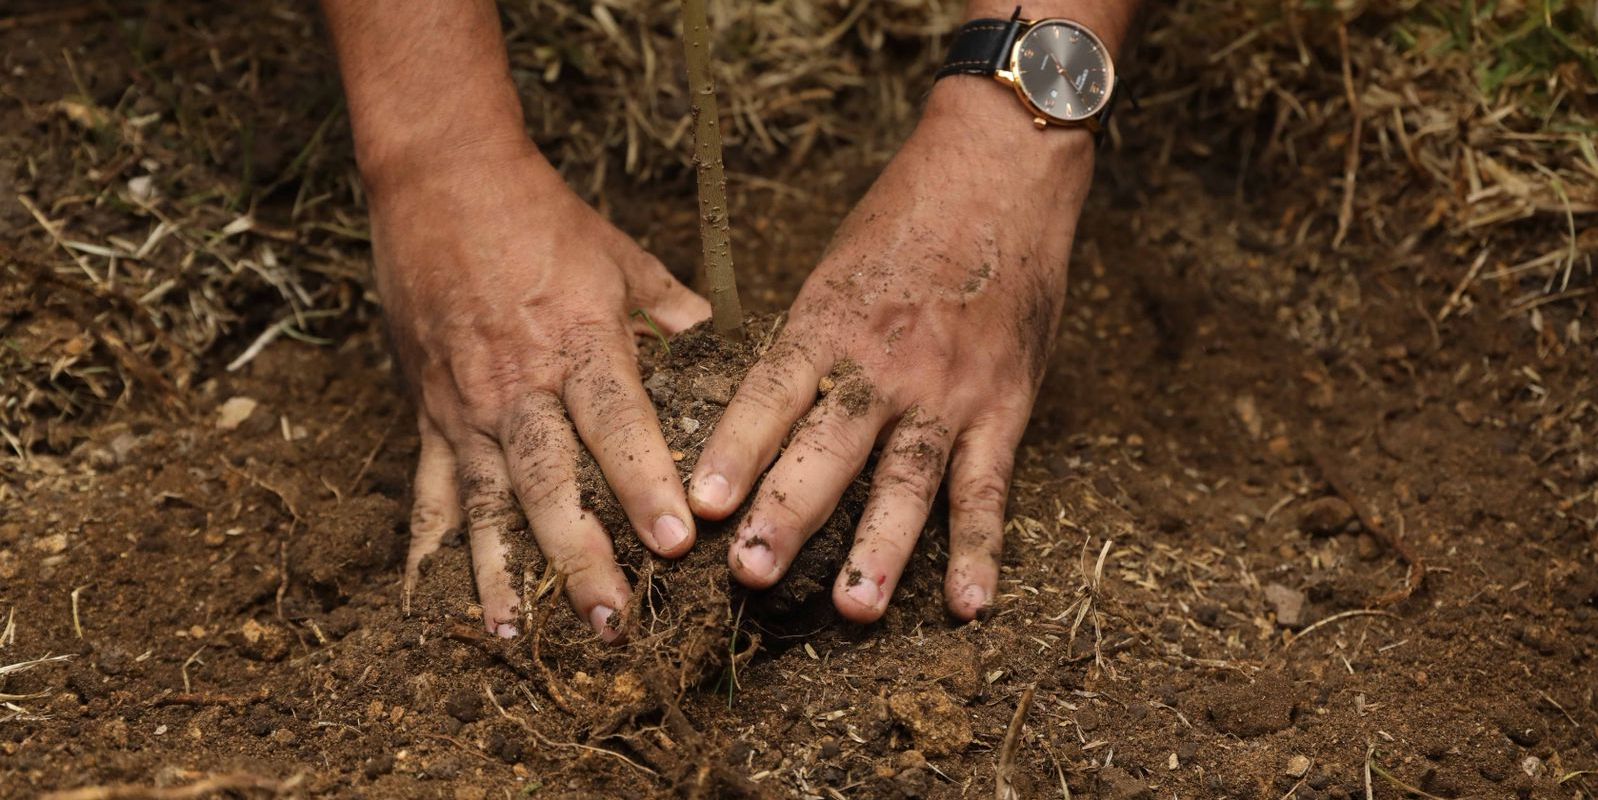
(776, 391)
(906, 480)
(979, 489)
(494, 526)
(652, 288)
(803, 488)
(617, 422)
(436, 509)
(541, 451)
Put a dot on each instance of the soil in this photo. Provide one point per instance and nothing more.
(1189, 587)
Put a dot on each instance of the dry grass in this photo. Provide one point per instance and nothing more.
(184, 193)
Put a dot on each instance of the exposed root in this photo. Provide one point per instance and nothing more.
(552, 684)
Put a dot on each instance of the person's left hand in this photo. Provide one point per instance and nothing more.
(931, 316)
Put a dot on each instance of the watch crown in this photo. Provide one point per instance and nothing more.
(1040, 123)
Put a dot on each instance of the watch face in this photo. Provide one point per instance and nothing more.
(1063, 69)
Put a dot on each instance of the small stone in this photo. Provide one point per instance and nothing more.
(53, 544)
(142, 188)
(1280, 448)
(1468, 412)
(100, 459)
(713, 389)
(1297, 767)
(123, 445)
(233, 412)
(1287, 603)
(1533, 766)
(1248, 413)
(262, 642)
(660, 388)
(830, 747)
(826, 384)
(689, 425)
(678, 455)
(1325, 516)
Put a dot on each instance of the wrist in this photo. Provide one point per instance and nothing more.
(983, 122)
(389, 165)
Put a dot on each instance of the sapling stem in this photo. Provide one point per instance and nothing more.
(726, 311)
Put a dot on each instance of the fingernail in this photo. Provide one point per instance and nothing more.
(712, 490)
(975, 598)
(505, 630)
(865, 591)
(670, 532)
(600, 619)
(757, 559)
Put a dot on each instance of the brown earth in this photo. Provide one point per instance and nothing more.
(1200, 609)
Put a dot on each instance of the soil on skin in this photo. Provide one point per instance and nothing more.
(1189, 595)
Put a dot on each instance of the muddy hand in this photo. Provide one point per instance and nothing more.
(926, 327)
(510, 302)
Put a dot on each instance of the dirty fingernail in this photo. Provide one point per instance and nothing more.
(866, 592)
(757, 559)
(670, 532)
(712, 490)
(600, 619)
(505, 630)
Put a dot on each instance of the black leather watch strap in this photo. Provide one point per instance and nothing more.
(981, 47)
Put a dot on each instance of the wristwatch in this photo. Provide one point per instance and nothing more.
(1061, 70)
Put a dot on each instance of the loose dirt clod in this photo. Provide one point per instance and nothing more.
(1247, 711)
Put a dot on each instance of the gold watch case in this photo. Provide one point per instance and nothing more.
(1042, 119)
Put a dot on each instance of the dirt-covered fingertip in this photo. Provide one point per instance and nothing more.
(969, 601)
(858, 597)
(753, 561)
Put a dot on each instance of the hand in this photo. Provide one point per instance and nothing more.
(933, 312)
(509, 301)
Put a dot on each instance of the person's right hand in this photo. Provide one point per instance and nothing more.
(510, 303)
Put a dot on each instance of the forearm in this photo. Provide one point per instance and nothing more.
(423, 80)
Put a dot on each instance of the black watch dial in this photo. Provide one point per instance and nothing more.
(1063, 69)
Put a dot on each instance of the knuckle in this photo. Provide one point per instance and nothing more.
(541, 489)
(579, 564)
(768, 390)
(828, 439)
(918, 481)
(986, 495)
(626, 427)
(492, 511)
(430, 515)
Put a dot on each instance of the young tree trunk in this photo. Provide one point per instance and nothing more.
(725, 309)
